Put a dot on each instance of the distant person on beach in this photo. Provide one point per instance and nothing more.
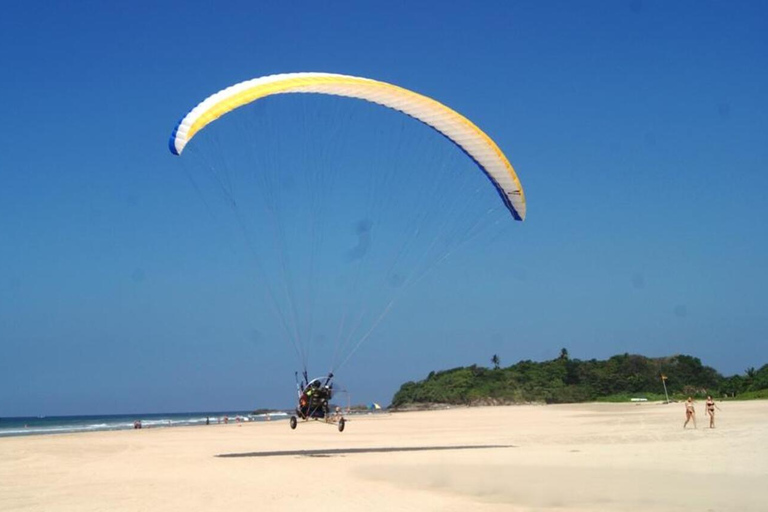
(711, 406)
(690, 413)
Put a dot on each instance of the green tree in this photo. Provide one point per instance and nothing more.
(564, 380)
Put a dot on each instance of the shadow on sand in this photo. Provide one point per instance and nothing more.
(347, 451)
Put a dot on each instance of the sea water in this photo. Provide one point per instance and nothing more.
(22, 426)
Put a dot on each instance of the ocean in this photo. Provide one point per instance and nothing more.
(40, 425)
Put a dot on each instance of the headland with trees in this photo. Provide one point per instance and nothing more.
(566, 380)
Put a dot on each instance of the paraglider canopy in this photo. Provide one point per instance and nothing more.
(457, 128)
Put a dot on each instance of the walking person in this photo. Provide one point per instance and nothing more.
(690, 413)
(711, 406)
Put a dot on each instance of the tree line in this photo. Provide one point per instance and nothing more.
(566, 380)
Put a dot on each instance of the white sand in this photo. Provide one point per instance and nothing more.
(564, 458)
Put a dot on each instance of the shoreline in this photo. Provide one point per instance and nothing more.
(53, 425)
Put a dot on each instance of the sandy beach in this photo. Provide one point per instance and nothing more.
(567, 458)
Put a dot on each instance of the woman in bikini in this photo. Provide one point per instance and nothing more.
(690, 413)
(711, 411)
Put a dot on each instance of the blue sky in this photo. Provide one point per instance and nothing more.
(638, 130)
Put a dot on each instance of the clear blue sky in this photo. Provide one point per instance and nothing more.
(638, 129)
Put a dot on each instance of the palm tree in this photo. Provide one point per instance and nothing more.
(496, 361)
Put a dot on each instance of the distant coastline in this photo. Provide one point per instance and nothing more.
(42, 425)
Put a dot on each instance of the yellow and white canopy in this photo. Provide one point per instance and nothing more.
(457, 128)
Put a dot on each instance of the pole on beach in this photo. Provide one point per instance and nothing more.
(664, 382)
